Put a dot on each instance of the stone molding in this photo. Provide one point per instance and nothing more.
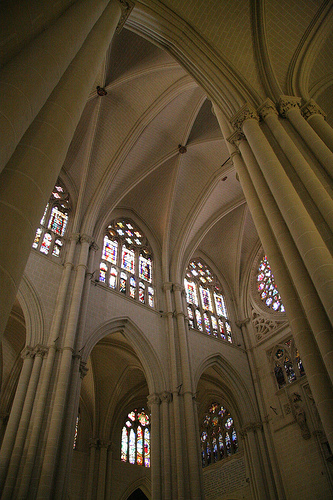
(267, 108)
(312, 108)
(286, 103)
(247, 112)
(126, 9)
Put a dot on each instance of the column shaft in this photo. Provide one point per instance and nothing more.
(166, 452)
(102, 471)
(323, 129)
(15, 415)
(92, 455)
(312, 248)
(27, 80)
(29, 176)
(154, 404)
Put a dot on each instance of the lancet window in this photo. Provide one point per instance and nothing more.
(206, 307)
(49, 237)
(135, 438)
(266, 286)
(287, 364)
(218, 435)
(127, 262)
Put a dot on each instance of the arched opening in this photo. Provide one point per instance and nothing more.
(137, 495)
(114, 389)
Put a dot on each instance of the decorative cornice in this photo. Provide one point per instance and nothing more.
(247, 112)
(267, 108)
(311, 108)
(126, 9)
(286, 103)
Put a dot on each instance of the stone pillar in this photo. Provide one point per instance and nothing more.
(30, 174)
(317, 119)
(176, 383)
(15, 413)
(65, 369)
(103, 456)
(39, 412)
(166, 449)
(316, 372)
(310, 244)
(289, 107)
(108, 485)
(311, 182)
(196, 484)
(258, 479)
(12, 475)
(93, 445)
(27, 80)
(155, 445)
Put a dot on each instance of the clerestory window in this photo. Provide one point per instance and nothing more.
(218, 435)
(206, 307)
(49, 238)
(266, 286)
(135, 438)
(127, 262)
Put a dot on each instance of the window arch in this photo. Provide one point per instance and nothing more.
(206, 308)
(266, 287)
(49, 237)
(127, 262)
(218, 435)
(135, 438)
(287, 364)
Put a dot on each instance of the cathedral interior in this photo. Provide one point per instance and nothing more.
(166, 275)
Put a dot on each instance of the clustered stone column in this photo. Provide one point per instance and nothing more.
(298, 253)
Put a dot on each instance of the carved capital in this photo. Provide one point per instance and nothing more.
(126, 9)
(267, 108)
(41, 351)
(251, 427)
(166, 397)
(94, 442)
(311, 108)
(75, 237)
(167, 286)
(83, 369)
(177, 287)
(247, 112)
(85, 238)
(242, 322)
(153, 399)
(235, 139)
(27, 352)
(94, 247)
(286, 103)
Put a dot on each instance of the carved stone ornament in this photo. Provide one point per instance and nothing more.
(286, 103)
(267, 108)
(41, 351)
(300, 416)
(27, 352)
(153, 399)
(83, 369)
(262, 325)
(311, 108)
(247, 112)
(166, 397)
(126, 9)
(235, 139)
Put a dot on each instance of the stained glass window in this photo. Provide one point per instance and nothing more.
(218, 434)
(49, 238)
(128, 250)
(287, 364)
(266, 286)
(135, 438)
(205, 301)
(76, 432)
(102, 271)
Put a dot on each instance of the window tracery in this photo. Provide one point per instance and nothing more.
(49, 237)
(218, 435)
(287, 364)
(135, 438)
(127, 262)
(266, 287)
(206, 308)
